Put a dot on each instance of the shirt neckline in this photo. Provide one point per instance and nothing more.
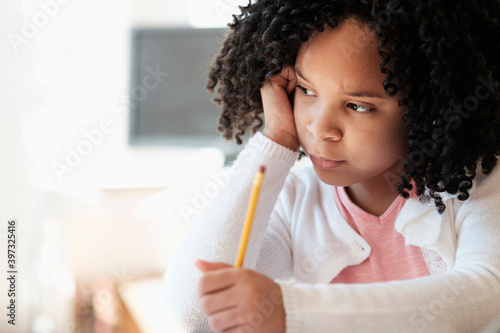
(357, 211)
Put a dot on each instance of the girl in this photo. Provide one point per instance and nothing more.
(395, 227)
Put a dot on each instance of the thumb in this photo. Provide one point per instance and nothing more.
(205, 266)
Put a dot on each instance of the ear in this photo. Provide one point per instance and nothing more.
(205, 266)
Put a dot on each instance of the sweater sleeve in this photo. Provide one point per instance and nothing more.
(216, 234)
(463, 299)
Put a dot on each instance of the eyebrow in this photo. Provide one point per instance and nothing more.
(299, 73)
(358, 93)
(364, 93)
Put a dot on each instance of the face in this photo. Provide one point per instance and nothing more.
(352, 131)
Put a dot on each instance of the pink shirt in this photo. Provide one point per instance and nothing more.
(390, 258)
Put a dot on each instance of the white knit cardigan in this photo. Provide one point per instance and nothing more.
(300, 239)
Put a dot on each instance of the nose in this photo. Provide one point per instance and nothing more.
(324, 125)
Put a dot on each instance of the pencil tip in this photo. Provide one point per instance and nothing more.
(262, 169)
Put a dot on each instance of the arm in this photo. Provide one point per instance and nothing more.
(463, 299)
(275, 257)
(216, 234)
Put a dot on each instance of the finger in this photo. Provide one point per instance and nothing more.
(291, 84)
(226, 320)
(282, 79)
(278, 92)
(274, 82)
(291, 79)
(205, 266)
(214, 281)
(288, 72)
(290, 87)
(240, 329)
(220, 301)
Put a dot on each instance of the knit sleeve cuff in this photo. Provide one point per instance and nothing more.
(276, 151)
(291, 305)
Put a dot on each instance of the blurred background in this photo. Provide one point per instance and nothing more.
(109, 153)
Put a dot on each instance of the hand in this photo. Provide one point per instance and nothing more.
(277, 99)
(239, 300)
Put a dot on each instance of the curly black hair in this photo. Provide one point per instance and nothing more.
(445, 52)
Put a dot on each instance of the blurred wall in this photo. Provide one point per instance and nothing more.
(18, 199)
(63, 63)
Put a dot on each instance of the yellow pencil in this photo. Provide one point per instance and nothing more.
(257, 182)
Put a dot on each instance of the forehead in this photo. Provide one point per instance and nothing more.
(348, 49)
(358, 35)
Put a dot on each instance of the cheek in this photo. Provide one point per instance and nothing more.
(301, 117)
(383, 140)
(395, 141)
(400, 136)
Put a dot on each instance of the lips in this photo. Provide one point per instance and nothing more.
(325, 163)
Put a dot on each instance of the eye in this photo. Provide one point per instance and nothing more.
(359, 108)
(305, 91)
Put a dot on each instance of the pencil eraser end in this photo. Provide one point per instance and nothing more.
(262, 169)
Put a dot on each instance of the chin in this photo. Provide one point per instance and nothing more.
(332, 177)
